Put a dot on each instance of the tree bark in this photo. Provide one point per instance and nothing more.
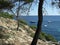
(40, 19)
(18, 9)
(17, 21)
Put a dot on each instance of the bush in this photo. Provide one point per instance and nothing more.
(50, 38)
(33, 27)
(23, 21)
(42, 36)
(47, 37)
(6, 15)
(32, 34)
(4, 36)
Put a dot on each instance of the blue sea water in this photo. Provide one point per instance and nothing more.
(51, 24)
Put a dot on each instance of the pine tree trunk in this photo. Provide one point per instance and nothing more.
(40, 19)
(17, 24)
(18, 9)
(17, 20)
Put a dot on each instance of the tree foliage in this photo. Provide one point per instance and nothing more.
(4, 4)
(6, 15)
(56, 3)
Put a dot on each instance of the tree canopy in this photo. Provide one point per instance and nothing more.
(4, 4)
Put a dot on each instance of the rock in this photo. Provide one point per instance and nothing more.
(13, 37)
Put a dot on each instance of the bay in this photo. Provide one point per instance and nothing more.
(51, 24)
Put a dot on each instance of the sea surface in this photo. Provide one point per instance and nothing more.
(51, 24)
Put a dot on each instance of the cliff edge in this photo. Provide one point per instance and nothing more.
(10, 36)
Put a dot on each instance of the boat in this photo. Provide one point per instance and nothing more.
(49, 21)
(45, 25)
(32, 22)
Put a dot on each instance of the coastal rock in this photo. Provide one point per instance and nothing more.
(13, 37)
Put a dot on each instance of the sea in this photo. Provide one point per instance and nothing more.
(51, 24)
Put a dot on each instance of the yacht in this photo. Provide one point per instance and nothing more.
(45, 25)
(49, 21)
(32, 22)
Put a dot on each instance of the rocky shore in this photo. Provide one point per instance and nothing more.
(10, 36)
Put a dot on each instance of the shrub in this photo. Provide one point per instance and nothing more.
(32, 34)
(4, 36)
(33, 27)
(42, 36)
(23, 21)
(6, 15)
(50, 38)
(47, 37)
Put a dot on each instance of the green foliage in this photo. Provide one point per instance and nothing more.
(23, 21)
(28, 1)
(6, 15)
(33, 27)
(47, 37)
(43, 36)
(6, 4)
(32, 34)
(4, 36)
(50, 37)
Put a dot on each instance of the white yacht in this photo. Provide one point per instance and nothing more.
(45, 25)
(49, 21)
